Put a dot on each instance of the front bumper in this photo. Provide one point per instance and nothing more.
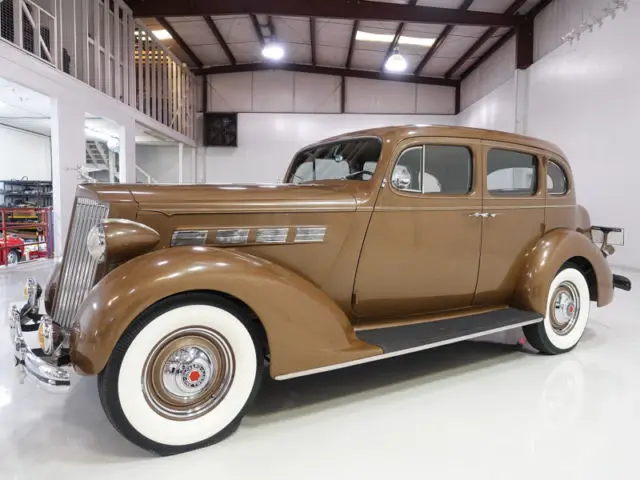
(33, 364)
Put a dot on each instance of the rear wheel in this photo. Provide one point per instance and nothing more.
(567, 313)
(183, 374)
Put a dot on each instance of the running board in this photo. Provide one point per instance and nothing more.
(401, 340)
(406, 337)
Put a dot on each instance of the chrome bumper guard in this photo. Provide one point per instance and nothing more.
(33, 364)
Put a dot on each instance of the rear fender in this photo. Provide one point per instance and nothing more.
(305, 329)
(544, 260)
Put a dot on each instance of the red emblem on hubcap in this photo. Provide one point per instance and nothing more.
(194, 376)
(571, 309)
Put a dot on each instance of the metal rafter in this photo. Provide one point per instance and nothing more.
(396, 38)
(292, 67)
(352, 43)
(216, 33)
(515, 6)
(258, 28)
(181, 43)
(312, 36)
(357, 10)
(439, 41)
(494, 48)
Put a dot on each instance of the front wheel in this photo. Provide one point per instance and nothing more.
(13, 257)
(183, 374)
(567, 314)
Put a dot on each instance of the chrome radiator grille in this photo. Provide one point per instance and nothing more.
(78, 267)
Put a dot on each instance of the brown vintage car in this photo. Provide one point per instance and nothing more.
(379, 243)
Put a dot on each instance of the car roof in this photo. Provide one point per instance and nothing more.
(400, 132)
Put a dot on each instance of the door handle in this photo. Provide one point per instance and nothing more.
(479, 215)
(491, 215)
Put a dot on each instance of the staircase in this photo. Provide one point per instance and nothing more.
(103, 165)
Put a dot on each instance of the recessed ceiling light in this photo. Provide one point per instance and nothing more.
(161, 34)
(396, 62)
(273, 51)
(388, 38)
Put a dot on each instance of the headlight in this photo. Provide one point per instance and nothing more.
(96, 243)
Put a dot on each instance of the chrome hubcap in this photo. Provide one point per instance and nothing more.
(188, 373)
(565, 308)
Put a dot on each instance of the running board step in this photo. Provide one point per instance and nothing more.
(421, 336)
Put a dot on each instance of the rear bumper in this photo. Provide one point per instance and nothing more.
(623, 283)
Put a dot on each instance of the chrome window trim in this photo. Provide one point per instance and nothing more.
(566, 180)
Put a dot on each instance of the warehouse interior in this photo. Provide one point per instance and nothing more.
(156, 93)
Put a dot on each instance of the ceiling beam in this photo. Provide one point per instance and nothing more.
(439, 41)
(292, 67)
(216, 33)
(352, 43)
(396, 38)
(312, 36)
(258, 28)
(524, 44)
(357, 10)
(181, 43)
(513, 8)
(494, 48)
(535, 11)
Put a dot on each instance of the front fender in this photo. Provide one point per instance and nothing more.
(304, 327)
(545, 259)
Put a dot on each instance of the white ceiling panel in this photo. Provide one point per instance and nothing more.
(367, 60)
(193, 32)
(248, 52)
(236, 29)
(331, 56)
(422, 30)
(440, 3)
(292, 29)
(334, 34)
(297, 53)
(378, 27)
(494, 6)
(210, 54)
(437, 67)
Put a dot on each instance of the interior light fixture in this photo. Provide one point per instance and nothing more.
(161, 34)
(396, 62)
(388, 38)
(273, 51)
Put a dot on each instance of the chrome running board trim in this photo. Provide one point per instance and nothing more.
(404, 352)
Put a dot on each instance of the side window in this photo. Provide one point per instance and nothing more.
(511, 173)
(406, 174)
(557, 183)
(448, 169)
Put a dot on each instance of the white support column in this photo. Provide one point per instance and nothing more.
(67, 155)
(181, 163)
(522, 100)
(128, 152)
(192, 177)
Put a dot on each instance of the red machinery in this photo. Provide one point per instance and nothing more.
(25, 234)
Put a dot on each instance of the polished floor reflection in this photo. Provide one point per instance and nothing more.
(473, 410)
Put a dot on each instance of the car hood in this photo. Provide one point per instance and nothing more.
(173, 199)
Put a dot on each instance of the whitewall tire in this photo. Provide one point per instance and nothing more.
(183, 374)
(568, 305)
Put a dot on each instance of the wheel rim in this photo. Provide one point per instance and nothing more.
(12, 258)
(188, 373)
(565, 308)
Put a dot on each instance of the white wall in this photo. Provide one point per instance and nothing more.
(267, 142)
(585, 97)
(159, 162)
(24, 154)
(277, 91)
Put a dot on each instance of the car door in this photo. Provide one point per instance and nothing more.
(514, 207)
(422, 247)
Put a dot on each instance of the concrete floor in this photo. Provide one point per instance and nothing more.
(472, 410)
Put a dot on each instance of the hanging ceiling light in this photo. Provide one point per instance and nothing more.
(273, 51)
(396, 62)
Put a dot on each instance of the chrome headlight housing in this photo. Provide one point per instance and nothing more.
(97, 243)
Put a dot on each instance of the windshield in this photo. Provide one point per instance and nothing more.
(345, 160)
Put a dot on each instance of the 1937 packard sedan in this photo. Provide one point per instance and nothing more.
(379, 243)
